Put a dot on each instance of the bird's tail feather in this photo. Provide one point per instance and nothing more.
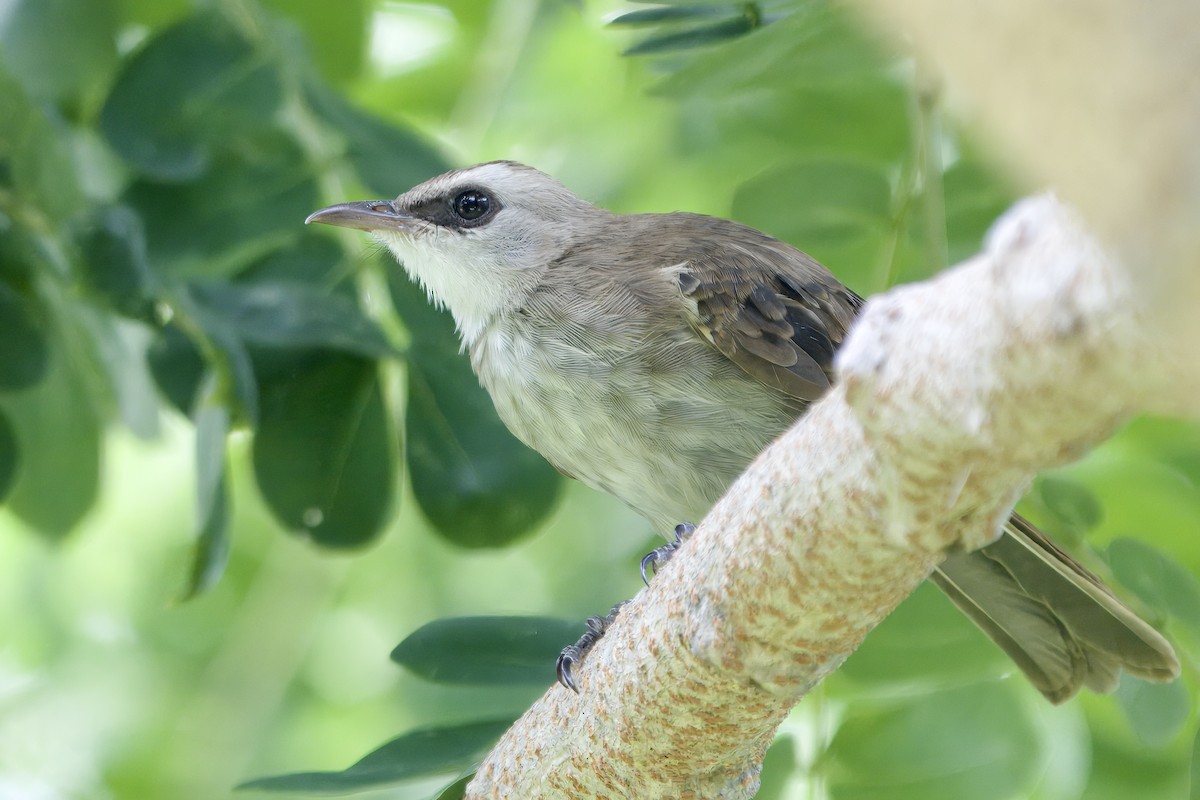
(1058, 622)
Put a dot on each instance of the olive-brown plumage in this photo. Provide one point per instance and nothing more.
(654, 355)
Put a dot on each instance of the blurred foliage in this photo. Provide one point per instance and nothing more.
(185, 369)
(210, 140)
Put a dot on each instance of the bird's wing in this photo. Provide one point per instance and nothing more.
(771, 309)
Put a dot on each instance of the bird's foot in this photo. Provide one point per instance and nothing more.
(659, 556)
(572, 656)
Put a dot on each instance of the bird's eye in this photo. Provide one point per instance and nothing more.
(471, 204)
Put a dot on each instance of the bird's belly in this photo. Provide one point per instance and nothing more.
(665, 435)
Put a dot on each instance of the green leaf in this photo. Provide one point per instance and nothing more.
(294, 315)
(661, 14)
(113, 245)
(1158, 580)
(177, 367)
(1072, 503)
(252, 202)
(324, 452)
(432, 751)
(1157, 712)
(974, 742)
(34, 37)
(483, 651)
(21, 255)
(456, 790)
(60, 442)
(387, 158)
(212, 492)
(10, 456)
(476, 483)
(224, 351)
(24, 352)
(699, 36)
(189, 89)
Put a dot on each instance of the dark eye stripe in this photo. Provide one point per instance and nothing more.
(444, 211)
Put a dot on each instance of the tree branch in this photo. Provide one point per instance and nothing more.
(953, 393)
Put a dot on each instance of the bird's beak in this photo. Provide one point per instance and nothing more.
(365, 215)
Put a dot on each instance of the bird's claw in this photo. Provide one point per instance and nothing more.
(573, 655)
(656, 558)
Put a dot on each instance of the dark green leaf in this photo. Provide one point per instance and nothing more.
(294, 315)
(21, 254)
(33, 45)
(483, 651)
(113, 245)
(1158, 580)
(324, 452)
(420, 753)
(478, 485)
(189, 89)
(212, 492)
(23, 350)
(60, 443)
(225, 352)
(252, 202)
(388, 158)
(699, 36)
(10, 456)
(1157, 712)
(974, 742)
(1072, 503)
(177, 367)
(456, 790)
(667, 14)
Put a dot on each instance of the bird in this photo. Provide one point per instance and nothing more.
(653, 356)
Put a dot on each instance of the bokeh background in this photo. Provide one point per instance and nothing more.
(241, 460)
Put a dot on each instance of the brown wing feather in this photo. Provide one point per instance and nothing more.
(771, 309)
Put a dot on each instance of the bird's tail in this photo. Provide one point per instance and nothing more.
(1061, 625)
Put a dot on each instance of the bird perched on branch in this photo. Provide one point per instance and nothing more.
(653, 356)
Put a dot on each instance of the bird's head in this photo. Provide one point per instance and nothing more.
(477, 239)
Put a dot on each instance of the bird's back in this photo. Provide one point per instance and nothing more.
(590, 374)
